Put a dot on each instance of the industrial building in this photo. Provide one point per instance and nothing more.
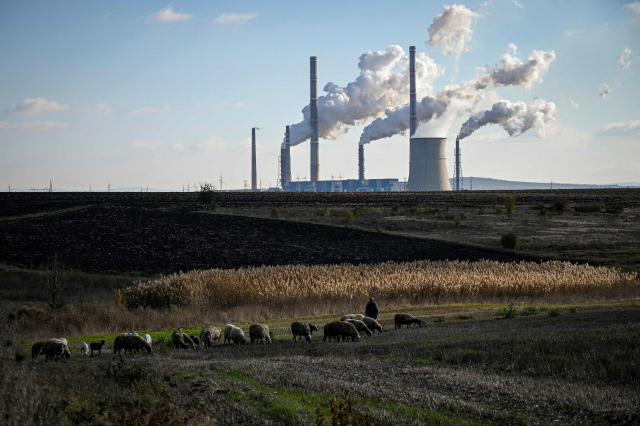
(346, 185)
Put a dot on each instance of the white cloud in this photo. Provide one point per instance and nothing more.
(152, 145)
(574, 104)
(33, 125)
(633, 7)
(570, 33)
(234, 18)
(146, 110)
(518, 4)
(604, 90)
(36, 106)
(621, 127)
(167, 14)
(625, 58)
(179, 147)
(452, 29)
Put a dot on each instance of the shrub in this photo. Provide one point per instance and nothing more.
(510, 241)
(560, 206)
(545, 212)
(341, 414)
(574, 310)
(614, 209)
(350, 216)
(554, 312)
(440, 319)
(588, 208)
(119, 299)
(414, 210)
(465, 316)
(450, 216)
(498, 209)
(509, 312)
(463, 216)
(324, 212)
(637, 216)
(207, 195)
(291, 213)
(275, 212)
(509, 204)
(530, 310)
(396, 209)
(358, 211)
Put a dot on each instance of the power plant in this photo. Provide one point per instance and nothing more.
(427, 155)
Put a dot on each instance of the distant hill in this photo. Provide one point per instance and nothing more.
(489, 184)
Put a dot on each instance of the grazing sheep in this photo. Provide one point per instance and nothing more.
(237, 336)
(360, 326)
(301, 329)
(313, 328)
(402, 319)
(55, 349)
(36, 349)
(372, 324)
(208, 336)
(84, 349)
(129, 342)
(352, 316)
(195, 340)
(63, 340)
(337, 329)
(181, 340)
(147, 338)
(227, 332)
(260, 333)
(98, 347)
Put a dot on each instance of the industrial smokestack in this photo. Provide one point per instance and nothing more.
(361, 162)
(254, 171)
(288, 152)
(457, 172)
(283, 166)
(428, 165)
(315, 159)
(413, 115)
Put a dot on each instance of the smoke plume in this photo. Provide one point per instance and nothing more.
(625, 58)
(516, 118)
(511, 72)
(604, 90)
(452, 29)
(378, 87)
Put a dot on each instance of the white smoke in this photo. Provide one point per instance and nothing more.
(383, 83)
(516, 118)
(452, 29)
(604, 90)
(512, 72)
(625, 58)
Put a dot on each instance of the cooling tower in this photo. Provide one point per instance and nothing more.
(428, 165)
(287, 175)
(413, 116)
(315, 159)
(361, 162)
(254, 172)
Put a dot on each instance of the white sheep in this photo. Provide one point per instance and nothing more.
(236, 335)
(84, 349)
(352, 316)
(227, 332)
(63, 341)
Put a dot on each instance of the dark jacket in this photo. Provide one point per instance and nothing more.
(371, 310)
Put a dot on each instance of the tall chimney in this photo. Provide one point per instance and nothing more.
(457, 172)
(283, 166)
(254, 172)
(287, 175)
(315, 159)
(412, 91)
(361, 162)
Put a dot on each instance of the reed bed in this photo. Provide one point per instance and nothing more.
(422, 282)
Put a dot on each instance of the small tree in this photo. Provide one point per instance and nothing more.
(119, 299)
(53, 282)
(510, 241)
(509, 204)
(207, 195)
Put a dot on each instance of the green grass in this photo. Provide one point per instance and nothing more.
(41, 214)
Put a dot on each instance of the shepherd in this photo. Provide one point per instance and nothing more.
(372, 309)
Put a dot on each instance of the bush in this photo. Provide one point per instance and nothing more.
(291, 213)
(509, 203)
(465, 316)
(614, 209)
(530, 310)
(545, 212)
(574, 310)
(341, 414)
(509, 312)
(498, 209)
(324, 212)
(358, 211)
(588, 208)
(440, 319)
(560, 206)
(637, 216)
(275, 212)
(510, 241)
(207, 195)
(119, 299)
(554, 313)
(396, 209)
(350, 216)
(450, 216)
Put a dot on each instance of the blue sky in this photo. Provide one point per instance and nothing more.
(159, 94)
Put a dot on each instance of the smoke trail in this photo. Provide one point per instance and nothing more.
(452, 29)
(378, 87)
(516, 118)
(511, 72)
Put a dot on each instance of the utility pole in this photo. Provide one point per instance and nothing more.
(50, 186)
(245, 185)
(109, 187)
(9, 187)
(221, 181)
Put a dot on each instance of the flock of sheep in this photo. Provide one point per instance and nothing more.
(348, 328)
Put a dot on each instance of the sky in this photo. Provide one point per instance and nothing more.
(163, 95)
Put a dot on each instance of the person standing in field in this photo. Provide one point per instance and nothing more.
(372, 309)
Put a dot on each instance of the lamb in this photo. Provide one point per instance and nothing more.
(360, 326)
(129, 342)
(147, 337)
(260, 333)
(98, 347)
(372, 324)
(236, 335)
(36, 349)
(301, 329)
(337, 329)
(208, 336)
(55, 349)
(181, 340)
(402, 319)
(84, 349)
(352, 316)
